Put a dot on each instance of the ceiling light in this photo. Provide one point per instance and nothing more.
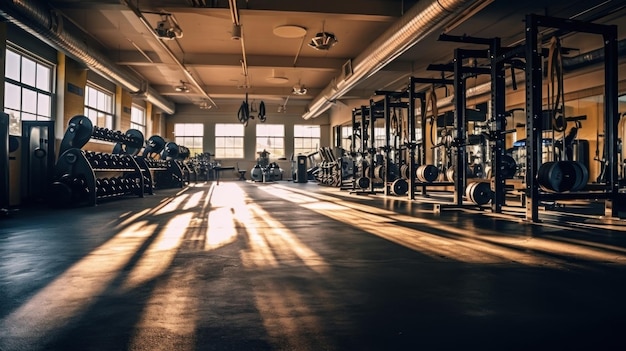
(277, 80)
(167, 28)
(323, 41)
(204, 105)
(183, 88)
(299, 89)
(289, 31)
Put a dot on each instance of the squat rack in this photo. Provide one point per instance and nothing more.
(534, 113)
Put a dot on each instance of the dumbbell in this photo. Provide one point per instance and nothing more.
(103, 185)
(99, 188)
(115, 186)
(115, 163)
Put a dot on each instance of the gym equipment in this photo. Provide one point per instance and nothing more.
(427, 173)
(154, 145)
(399, 187)
(88, 177)
(562, 176)
(170, 151)
(79, 131)
(264, 170)
(301, 169)
(133, 142)
(78, 180)
(479, 192)
(556, 180)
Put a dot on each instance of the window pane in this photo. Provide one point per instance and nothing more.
(43, 77)
(12, 96)
(229, 129)
(12, 65)
(15, 123)
(28, 71)
(29, 117)
(43, 105)
(29, 101)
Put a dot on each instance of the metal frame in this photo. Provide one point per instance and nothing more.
(534, 102)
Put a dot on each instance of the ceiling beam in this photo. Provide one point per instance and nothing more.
(375, 10)
(233, 91)
(134, 58)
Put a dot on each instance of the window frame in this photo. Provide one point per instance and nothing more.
(194, 141)
(18, 112)
(109, 116)
(262, 145)
(313, 140)
(228, 141)
(136, 125)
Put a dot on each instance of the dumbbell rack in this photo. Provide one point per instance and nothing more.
(82, 176)
(159, 173)
(95, 176)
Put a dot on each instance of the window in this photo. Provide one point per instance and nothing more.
(229, 140)
(271, 138)
(191, 136)
(27, 90)
(346, 138)
(99, 106)
(306, 139)
(138, 118)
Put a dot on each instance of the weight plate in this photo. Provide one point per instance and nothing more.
(363, 182)
(77, 134)
(508, 167)
(404, 171)
(155, 144)
(135, 141)
(582, 176)
(427, 173)
(170, 151)
(400, 187)
(567, 175)
(479, 192)
(118, 148)
(450, 174)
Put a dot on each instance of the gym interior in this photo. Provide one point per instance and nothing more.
(225, 175)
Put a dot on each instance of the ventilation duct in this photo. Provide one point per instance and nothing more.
(419, 21)
(47, 25)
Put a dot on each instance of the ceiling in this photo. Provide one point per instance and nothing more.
(207, 53)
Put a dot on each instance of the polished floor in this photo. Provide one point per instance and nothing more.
(284, 266)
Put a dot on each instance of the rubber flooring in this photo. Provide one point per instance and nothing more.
(284, 266)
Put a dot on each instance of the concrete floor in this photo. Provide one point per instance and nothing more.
(284, 266)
